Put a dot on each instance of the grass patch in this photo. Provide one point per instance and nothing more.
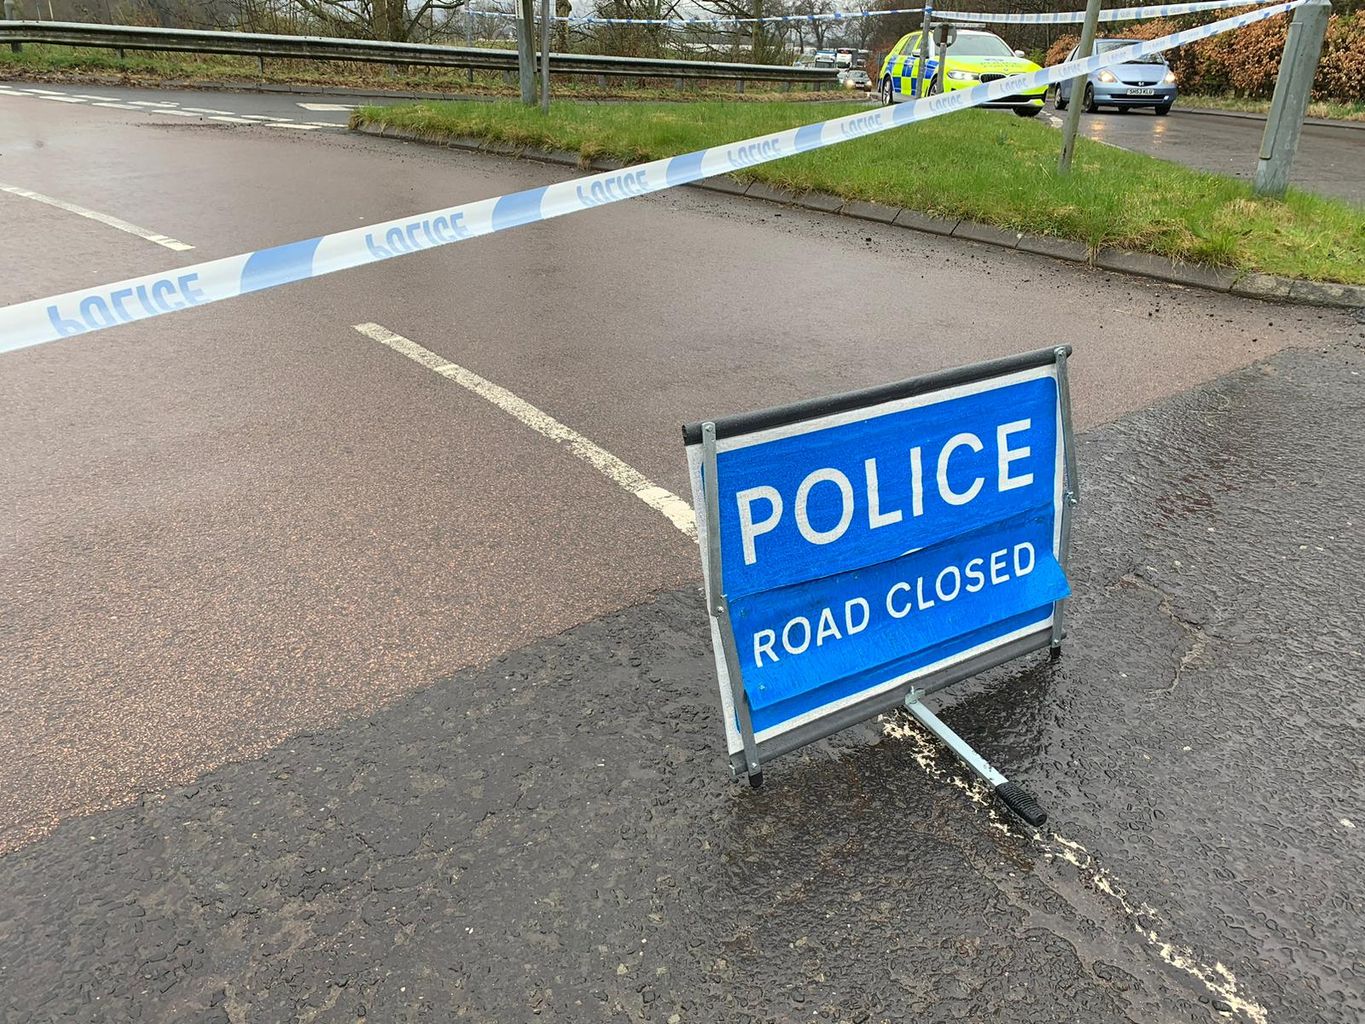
(988, 166)
(1318, 108)
(83, 64)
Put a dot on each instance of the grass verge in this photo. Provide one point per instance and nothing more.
(988, 166)
(83, 64)
(1329, 110)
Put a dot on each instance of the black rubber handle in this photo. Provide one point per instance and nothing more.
(1021, 803)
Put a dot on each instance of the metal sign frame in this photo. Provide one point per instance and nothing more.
(750, 752)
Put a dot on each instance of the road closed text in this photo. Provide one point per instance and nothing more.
(915, 594)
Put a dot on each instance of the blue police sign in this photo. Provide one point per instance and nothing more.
(857, 546)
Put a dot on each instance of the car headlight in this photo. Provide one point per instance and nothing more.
(964, 76)
(1170, 78)
(1107, 77)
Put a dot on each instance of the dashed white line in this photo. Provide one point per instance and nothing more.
(116, 106)
(232, 120)
(103, 218)
(61, 99)
(629, 479)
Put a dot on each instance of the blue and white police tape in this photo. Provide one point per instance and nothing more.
(1076, 17)
(722, 22)
(139, 298)
(713, 22)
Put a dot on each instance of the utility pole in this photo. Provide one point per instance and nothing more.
(546, 20)
(526, 50)
(1073, 109)
(1293, 89)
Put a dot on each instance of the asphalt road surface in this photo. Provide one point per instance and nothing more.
(1328, 161)
(333, 691)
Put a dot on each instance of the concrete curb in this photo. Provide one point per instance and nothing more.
(1248, 115)
(1141, 264)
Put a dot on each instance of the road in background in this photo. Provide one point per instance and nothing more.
(250, 521)
(1329, 160)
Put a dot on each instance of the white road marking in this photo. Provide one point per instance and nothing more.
(177, 113)
(150, 103)
(327, 106)
(117, 106)
(663, 501)
(103, 218)
(61, 99)
(233, 120)
(206, 110)
(1216, 979)
(291, 124)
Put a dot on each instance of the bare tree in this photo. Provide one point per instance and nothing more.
(819, 29)
(765, 38)
(374, 19)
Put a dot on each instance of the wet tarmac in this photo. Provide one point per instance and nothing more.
(247, 520)
(553, 836)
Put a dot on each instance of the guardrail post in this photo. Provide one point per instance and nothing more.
(1073, 110)
(1293, 89)
(679, 83)
(9, 16)
(739, 85)
(261, 61)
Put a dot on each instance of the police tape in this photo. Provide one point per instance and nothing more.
(713, 22)
(91, 309)
(720, 22)
(716, 22)
(1076, 17)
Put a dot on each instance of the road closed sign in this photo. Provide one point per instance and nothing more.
(866, 546)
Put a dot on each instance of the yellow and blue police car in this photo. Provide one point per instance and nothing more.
(974, 57)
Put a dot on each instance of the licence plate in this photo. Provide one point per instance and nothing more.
(1141, 92)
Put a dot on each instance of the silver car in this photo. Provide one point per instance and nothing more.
(855, 78)
(1145, 82)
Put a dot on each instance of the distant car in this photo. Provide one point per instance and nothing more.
(1145, 82)
(856, 78)
(974, 57)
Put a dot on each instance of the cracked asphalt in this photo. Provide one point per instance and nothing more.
(553, 835)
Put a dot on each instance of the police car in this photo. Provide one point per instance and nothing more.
(974, 57)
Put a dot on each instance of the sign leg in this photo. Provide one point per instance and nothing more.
(1011, 795)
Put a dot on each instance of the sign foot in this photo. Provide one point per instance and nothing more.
(1010, 794)
(1024, 806)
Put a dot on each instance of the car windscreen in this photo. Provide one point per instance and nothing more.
(1105, 45)
(979, 44)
